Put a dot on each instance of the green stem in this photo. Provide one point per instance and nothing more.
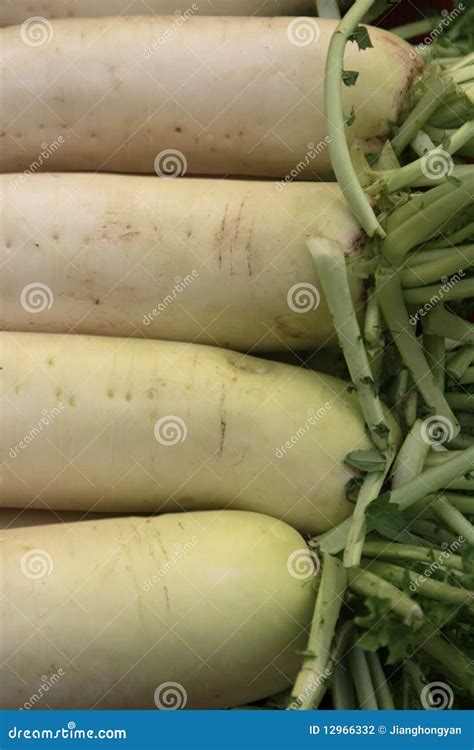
(444, 262)
(447, 655)
(362, 680)
(417, 28)
(464, 503)
(456, 238)
(432, 480)
(426, 294)
(459, 362)
(396, 316)
(370, 490)
(468, 377)
(334, 540)
(379, 681)
(443, 323)
(453, 518)
(461, 401)
(328, 257)
(343, 692)
(368, 584)
(340, 155)
(329, 599)
(411, 456)
(421, 584)
(435, 352)
(328, 9)
(395, 551)
(421, 113)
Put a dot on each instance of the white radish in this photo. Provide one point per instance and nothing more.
(222, 263)
(120, 425)
(191, 610)
(217, 96)
(22, 11)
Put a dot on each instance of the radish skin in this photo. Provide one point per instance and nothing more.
(100, 96)
(144, 426)
(207, 261)
(20, 10)
(119, 607)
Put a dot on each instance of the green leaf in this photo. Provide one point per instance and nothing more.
(350, 119)
(361, 37)
(349, 77)
(370, 460)
(388, 521)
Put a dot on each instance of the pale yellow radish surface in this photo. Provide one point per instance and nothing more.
(221, 263)
(241, 96)
(216, 602)
(110, 424)
(19, 11)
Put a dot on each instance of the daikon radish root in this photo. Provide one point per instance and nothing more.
(24, 10)
(16, 518)
(222, 263)
(145, 426)
(241, 96)
(205, 609)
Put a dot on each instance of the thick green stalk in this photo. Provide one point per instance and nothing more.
(411, 456)
(425, 586)
(453, 518)
(443, 323)
(340, 155)
(464, 503)
(396, 316)
(362, 680)
(379, 681)
(329, 598)
(368, 584)
(427, 105)
(446, 262)
(343, 693)
(328, 257)
(448, 655)
(435, 353)
(461, 401)
(459, 362)
(426, 294)
(395, 551)
(432, 480)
